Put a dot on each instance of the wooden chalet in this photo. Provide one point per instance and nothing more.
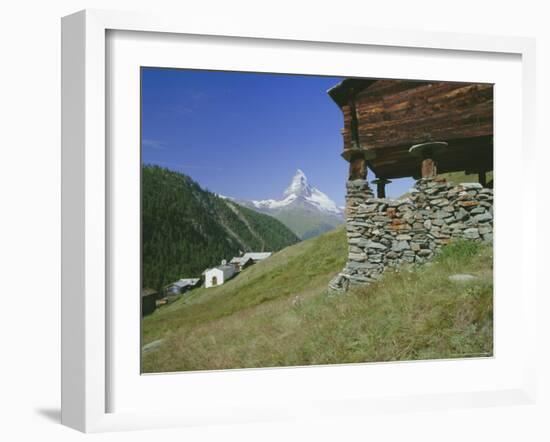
(449, 124)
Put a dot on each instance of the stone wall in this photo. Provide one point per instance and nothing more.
(386, 233)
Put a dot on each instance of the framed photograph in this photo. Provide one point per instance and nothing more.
(263, 224)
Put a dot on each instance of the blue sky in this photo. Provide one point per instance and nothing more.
(245, 134)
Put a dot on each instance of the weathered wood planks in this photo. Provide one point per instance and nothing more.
(392, 115)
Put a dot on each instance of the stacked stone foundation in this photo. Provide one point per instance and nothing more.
(387, 233)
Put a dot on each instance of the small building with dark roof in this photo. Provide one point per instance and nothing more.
(182, 285)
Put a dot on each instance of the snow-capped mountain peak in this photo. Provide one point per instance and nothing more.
(300, 190)
(298, 186)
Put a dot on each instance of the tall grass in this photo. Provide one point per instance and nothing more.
(277, 313)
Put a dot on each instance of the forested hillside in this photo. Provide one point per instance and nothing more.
(186, 229)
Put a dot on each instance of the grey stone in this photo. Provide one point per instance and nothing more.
(369, 208)
(440, 214)
(393, 203)
(440, 202)
(471, 233)
(438, 235)
(436, 211)
(362, 265)
(469, 186)
(484, 197)
(375, 245)
(151, 346)
(458, 226)
(376, 258)
(338, 284)
(405, 208)
(382, 201)
(409, 217)
(477, 210)
(359, 223)
(400, 246)
(483, 217)
(403, 237)
(461, 214)
(357, 257)
(485, 229)
(431, 191)
(462, 278)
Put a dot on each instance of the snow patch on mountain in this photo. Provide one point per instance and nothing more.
(300, 189)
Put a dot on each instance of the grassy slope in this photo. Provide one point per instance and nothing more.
(306, 224)
(276, 313)
(461, 177)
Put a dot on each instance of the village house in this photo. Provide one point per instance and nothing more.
(241, 262)
(257, 256)
(218, 275)
(182, 285)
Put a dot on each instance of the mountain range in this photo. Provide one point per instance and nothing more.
(186, 229)
(304, 209)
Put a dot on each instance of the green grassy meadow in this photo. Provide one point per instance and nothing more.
(277, 313)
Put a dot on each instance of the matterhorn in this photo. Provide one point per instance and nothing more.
(304, 209)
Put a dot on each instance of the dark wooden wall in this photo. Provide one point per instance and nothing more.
(392, 115)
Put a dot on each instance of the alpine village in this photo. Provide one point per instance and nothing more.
(230, 283)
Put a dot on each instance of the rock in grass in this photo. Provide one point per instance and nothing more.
(462, 278)
(338, 284)
(152, 346)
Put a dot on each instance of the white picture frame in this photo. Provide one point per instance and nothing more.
(86, 204)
